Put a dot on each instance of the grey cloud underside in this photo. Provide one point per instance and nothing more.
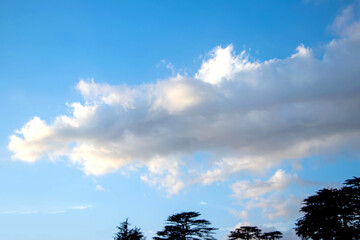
(319, 99)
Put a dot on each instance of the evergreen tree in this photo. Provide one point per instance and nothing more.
(271, 235)
(186, 226)
(252, 233)
(245, 233)
(332, 213)
(125, 233)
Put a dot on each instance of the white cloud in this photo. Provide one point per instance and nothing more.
(239, 214)
(278, 207)
(288, 208)
(164, 173)
(30, 212)
(223, 65)
(57, 212)
(81, 207)
(241, 224)
(119, 95)
(245, 189)
(269, 200)
(100, 188)
(62, 211)
(302, 51)
(31, 147)
(344, 20)
(249, 116)
(9, 212)
(168, 65)
(174, 95)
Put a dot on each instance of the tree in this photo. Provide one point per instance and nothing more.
(352, 193)
(331, 213)
(253, 232)
(125, 233)
(271, 235)
(245, 232)
(185, 226)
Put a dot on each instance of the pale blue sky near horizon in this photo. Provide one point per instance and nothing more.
(48, 47)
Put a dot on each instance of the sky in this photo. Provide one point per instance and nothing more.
(142, 109)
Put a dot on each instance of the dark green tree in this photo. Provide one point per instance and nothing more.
(331, 213)
(186, 226)
(126, 233)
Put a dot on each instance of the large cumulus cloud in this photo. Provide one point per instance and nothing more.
(247, 116)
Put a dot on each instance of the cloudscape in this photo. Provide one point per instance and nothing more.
(238, 135)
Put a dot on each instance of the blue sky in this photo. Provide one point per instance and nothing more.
(142, 109)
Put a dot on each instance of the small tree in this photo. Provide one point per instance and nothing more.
(186, 226)
(125, 233)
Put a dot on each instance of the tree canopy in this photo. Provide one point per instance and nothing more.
(126, 233)
(332, 213)
(186, 226)
(253, 232)
(271, 235)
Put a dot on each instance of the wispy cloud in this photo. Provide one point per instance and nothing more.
(100, 188)
(61, 211)
(30, 212)
(239, 214)
(278, 182)
(57, 212)
(269, 199)
(168, 65)
(81, 207)
(9, 212)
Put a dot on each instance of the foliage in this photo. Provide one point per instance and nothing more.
(332, 213)
(245, 232)
(253, 232)
(271, 235)
(125, 233)
(184, 226)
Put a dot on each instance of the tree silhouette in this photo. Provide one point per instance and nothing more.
(125, 233)
(331, 213)
(245, 232)
(271, 235)
(253, 232)
(352, 193)
(185, 226)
